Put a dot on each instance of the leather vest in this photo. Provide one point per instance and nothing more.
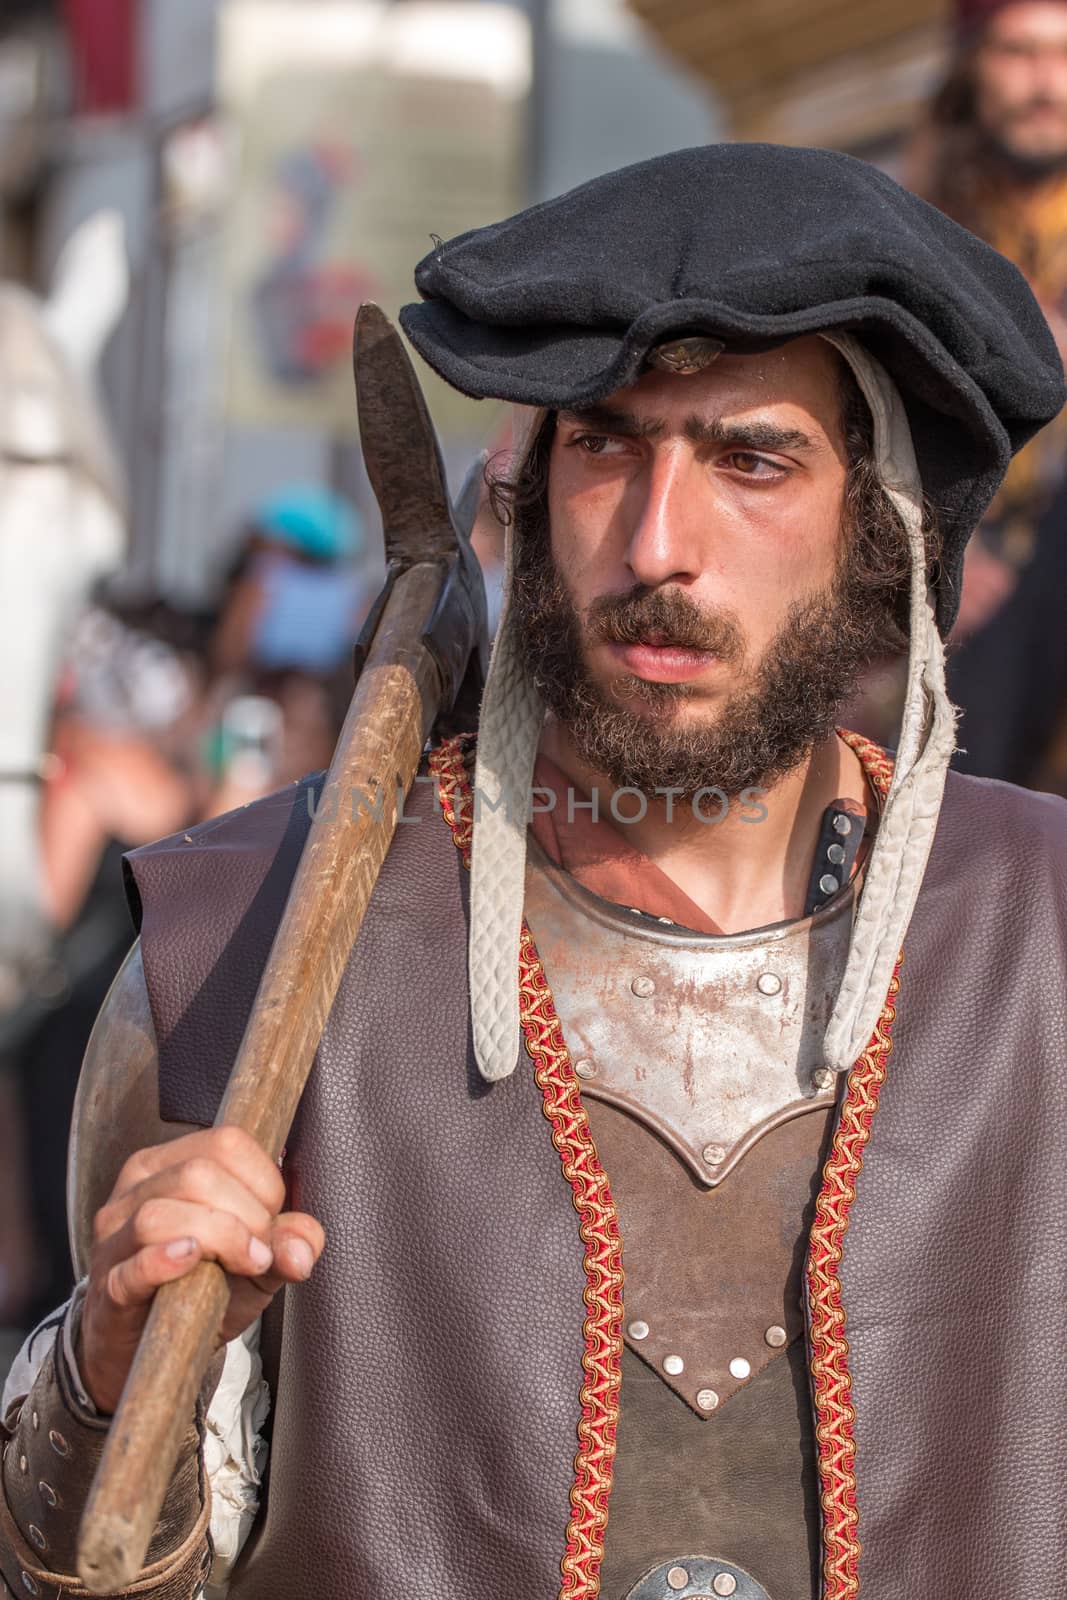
(447, 1383)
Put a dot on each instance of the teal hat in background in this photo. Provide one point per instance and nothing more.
(318, 523)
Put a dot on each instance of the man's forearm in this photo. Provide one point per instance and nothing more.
(52, 1445)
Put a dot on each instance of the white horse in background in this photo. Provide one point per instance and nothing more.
(62, 528)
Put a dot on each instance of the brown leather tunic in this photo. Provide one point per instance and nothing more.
(739, 1483)
(431, 1382)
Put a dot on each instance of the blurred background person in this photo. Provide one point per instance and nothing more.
(117, 774)
(280, 653)
(992, 152)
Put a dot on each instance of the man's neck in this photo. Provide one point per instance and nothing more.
(746, 863)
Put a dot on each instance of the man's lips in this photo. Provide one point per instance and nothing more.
(662, 663)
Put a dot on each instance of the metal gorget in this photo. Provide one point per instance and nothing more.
(710, 1041)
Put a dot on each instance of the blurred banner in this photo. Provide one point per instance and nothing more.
(363, 130)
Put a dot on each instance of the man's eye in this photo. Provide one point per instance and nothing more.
(750, 465)
(596, 444)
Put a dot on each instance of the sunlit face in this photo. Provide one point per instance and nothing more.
(725, 488)
(1020, 81)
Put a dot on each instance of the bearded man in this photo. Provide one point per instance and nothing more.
(698, 1229)
(992, 153)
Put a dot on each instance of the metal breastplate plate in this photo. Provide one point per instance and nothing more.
(710, 1041)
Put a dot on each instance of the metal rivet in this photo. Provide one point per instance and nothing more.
(740, 1368)
(714, 1154)
(836, 854)
(769, 983)
(24, 1465)
(36, 1421)
(37, 1537)
(823, 1078)
(724, 1583)
(828, 884)
(707, 1399)
(677, 1578)
(643, 988)
(29, 1585)
(674, 1365)
(776, 1336)
(842, 825)
(58, 1443)
(585, 1068)
(638, 1330)
(48, 1494)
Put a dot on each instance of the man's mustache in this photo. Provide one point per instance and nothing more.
(1038, 103)
(669, 617)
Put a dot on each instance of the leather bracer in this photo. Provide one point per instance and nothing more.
(52, 1445)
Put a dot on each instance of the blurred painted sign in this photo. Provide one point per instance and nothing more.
(364, 129)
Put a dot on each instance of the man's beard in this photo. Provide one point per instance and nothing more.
(1021, 165)
(758, 733)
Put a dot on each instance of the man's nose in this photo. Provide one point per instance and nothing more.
(666, 535)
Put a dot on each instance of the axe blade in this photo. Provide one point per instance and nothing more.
(400, 447)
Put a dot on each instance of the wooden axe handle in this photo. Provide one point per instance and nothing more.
(394, 706)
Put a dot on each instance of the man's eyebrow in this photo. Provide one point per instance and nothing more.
(754, 435)
(606, 419)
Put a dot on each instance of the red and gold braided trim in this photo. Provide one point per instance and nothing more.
(876, 762)
(831, 1379)
(598, 1227)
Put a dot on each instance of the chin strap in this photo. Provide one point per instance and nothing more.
(509, 729)
(898, 860)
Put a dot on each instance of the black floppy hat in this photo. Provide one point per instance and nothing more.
(755, 244)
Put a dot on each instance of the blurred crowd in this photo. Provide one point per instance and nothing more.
(158, 718)
(126, 717)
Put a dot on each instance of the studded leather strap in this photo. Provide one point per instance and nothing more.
(51, 1447)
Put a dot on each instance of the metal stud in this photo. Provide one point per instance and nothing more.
(58, 1443)
(638, 1330)
(677, 1578)
(836, 854)
(828, 884)
(28, 1584)
(776, 1336)
(24, 1465)
(740, 1368)
(769, 983)
(37, 1537)
(35, 1420)
(707, 1399)
(823, 1078)
(714, 1154)
(48, 1494)
(684, 357)
(842, 825)
(673, 1365)
(723, 1583)
(643, 988)
(585, 1068)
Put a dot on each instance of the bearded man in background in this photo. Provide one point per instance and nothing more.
(993, 155)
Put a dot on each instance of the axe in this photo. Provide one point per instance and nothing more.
(419, 661)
